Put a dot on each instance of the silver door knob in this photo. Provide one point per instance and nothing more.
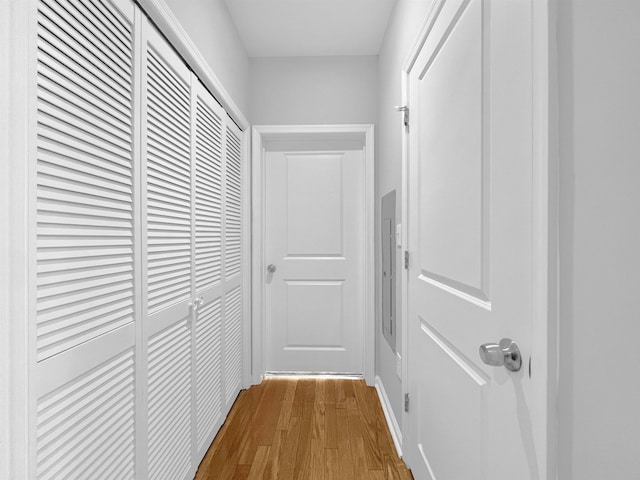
(504, 353)
(271, 268)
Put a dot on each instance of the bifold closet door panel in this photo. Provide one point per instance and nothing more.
(167, 258)
(233, 261)
(85, 267)
(207, 173)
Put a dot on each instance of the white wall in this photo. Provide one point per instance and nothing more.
(599, 388)
(313, 90)
(210, 27)
(407, 19)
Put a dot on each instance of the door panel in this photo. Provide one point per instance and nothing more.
(168, 257)
(208, 130)
(85, 212)
(168, 181)
(452, 174)
(169, 409)
(470, 241)
(70, 444)
(451, 397)
(314, 237)
(314, 205)
(314, 314)
(232, 344)
(83, 250)
(209, 407)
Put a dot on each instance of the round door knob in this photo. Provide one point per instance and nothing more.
(504, 353)
(271, 268)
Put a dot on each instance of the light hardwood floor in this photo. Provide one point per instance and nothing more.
(302, 429)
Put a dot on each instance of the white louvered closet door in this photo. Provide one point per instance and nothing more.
(167, 258)
(137, 321)
(85, 261)
(233, 261)
(207, 173)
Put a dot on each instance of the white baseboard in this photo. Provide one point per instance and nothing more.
(394, 428)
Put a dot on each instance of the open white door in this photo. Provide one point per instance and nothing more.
(471, 243)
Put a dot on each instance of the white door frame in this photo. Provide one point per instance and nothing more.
(260, 135)
(544, 231)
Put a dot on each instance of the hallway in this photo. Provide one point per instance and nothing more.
(497, 210)
(304, 429)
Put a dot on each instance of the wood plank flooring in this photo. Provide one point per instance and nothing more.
(304, 429)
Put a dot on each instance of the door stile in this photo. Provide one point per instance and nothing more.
(140, 236)
(194, 301)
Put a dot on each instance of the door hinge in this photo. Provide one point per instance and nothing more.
(405, 110)
(406, 259)
(406, 402)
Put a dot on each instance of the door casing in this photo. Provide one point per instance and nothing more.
(261, 134)
(544, 229)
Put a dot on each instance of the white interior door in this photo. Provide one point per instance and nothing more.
(314, 239)
(470, 242)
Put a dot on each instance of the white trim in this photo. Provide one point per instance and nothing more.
(260, 134)
(247, 306)
(392, 422)
(160, 13)
(544, 223)
(404, 301)
(257, 259)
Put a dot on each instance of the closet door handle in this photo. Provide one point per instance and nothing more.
(198, 302)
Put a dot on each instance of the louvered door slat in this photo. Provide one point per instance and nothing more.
(73, 144)
(59, 26)
(105, 170)
(89, 77)
(158, 69)
(120, 30)
(102, 32)
(78, 94)
(74, 113)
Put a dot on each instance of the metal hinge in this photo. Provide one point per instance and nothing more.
(406, 402)
(404, 109)
(406, 259)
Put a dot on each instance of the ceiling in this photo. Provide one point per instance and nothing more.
(282, 28)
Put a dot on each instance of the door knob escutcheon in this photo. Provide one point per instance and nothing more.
(504, 353)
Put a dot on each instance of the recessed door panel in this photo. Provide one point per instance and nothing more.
(314, 205)
(314, 314)
(452, 426)
(453, 177)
